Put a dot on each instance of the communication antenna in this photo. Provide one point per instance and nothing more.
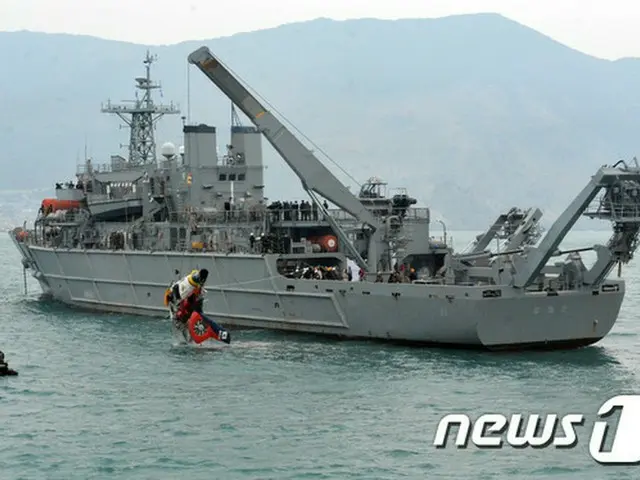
(141, 116)
(188, 93)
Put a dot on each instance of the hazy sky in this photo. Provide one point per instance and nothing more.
(604, 28)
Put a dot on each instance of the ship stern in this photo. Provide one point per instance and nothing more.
(560, 320)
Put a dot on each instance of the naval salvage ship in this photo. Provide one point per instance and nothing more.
(115, 238)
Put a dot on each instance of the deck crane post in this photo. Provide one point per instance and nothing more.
(623, 183)
(315, 177)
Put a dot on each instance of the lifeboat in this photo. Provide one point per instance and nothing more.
(53, 204)
(327, 243)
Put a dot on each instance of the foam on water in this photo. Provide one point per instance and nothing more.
(209, 345)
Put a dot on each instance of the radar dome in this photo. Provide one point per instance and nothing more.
(168, 150)
(181, 150)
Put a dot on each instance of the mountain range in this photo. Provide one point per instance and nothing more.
(472, 114)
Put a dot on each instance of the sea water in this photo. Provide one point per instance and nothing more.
(112, 396)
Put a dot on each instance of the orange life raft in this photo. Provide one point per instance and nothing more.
(53, 204)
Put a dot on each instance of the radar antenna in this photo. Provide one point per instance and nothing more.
(144, 113)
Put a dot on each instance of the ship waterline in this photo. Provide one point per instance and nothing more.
(134, 282)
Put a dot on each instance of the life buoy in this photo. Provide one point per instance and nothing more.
(327, 243)
(330, 243)
(199, 329)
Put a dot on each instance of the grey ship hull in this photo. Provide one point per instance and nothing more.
(246, 291)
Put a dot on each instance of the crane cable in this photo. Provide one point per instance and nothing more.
(273, 109)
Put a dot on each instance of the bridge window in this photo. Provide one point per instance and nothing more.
(241, 177)
(222, 177)
(232, 177)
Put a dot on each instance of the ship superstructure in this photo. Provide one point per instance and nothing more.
(114, 240)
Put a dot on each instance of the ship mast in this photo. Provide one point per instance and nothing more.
(141, 117)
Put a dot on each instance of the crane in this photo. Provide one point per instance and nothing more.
(622, 183)
(315, 177)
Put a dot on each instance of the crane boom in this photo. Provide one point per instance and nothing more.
(312, 173)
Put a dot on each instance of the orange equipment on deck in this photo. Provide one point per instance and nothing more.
(328, 243)
(53, 204)
(20, 234)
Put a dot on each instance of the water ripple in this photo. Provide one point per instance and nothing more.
(101, 396)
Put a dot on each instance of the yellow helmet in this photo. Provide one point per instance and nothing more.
(199, 277)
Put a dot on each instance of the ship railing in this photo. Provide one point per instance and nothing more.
(410, 214)
(620, 212)
(103, 197)
(94, 168)
(221, 247)
(293, 216)
(218, 217)
(113, 108)
(296, 216)
(61, 216)
(56, 241)
(417, 215)
(339, 215)
(102, 167)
